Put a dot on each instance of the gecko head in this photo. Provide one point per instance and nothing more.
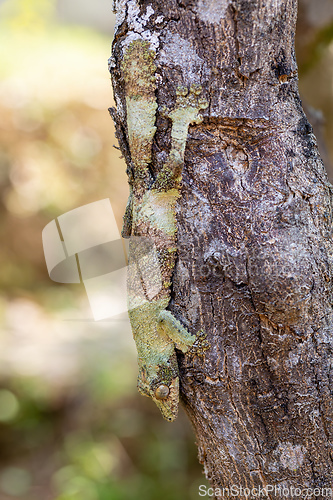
(166, 398)
(163, 390)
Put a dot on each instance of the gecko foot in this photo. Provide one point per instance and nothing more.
(191, 100)
(200, 345)
(187, 106)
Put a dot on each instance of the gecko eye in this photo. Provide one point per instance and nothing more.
(162, 392)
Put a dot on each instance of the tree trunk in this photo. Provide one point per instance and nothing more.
(254, 250)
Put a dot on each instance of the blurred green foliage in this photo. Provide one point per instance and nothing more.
(316, 48)
(72, 426)
(32, 15)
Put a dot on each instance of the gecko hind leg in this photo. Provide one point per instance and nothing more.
(186, 111)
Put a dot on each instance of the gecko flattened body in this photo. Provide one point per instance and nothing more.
(150, 222)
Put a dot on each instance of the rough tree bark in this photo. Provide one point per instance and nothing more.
(254, 260)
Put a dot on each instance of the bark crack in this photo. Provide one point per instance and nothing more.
(242, 78)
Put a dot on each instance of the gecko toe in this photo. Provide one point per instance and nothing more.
(201, 344)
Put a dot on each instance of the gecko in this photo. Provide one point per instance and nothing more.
(150, 224)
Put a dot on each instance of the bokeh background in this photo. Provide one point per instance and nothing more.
(72, 426)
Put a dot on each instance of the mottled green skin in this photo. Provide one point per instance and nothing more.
(156, 336)
(151, 213)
